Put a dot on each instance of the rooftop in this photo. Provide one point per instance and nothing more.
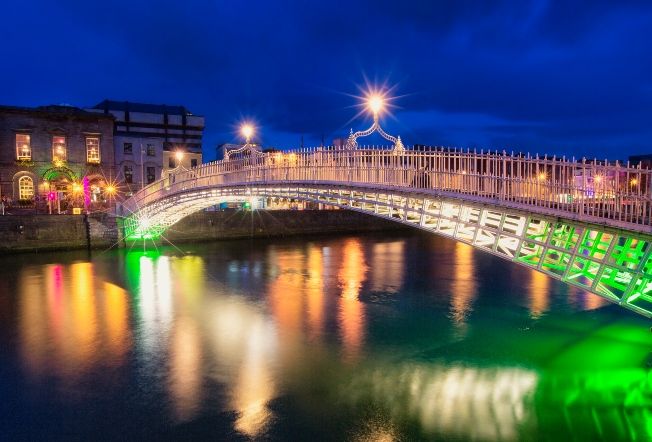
(62, 110)
(108, 105)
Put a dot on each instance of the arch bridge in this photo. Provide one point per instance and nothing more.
(587, 223)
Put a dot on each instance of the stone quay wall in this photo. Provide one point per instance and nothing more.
(39, 233)
(231, 224)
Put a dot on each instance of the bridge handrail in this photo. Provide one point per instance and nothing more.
(607, 190)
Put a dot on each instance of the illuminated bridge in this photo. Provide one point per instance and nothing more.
(585, 223)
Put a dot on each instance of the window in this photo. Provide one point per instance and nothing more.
(151, 175)
(129, 174)
(150, 150)
(25, 188)
(171, 164)
(93, 150)
(23, 147)
(193, 162)
(128, 148)
(58, 148)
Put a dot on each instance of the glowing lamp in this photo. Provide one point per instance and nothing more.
(633, 182)
(247, 130)
(375, 103)
(178, 155)
(542, 176)
(52, 196)
(110, 189)
(598, 178)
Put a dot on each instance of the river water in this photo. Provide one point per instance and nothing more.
(401, 336)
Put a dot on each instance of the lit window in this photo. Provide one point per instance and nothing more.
(129, 174)
(58, 148)
(150, 150)
(23, 147)
(93, 150)
(128, 148)
(25, 188)
(193, 162)
(151, 174)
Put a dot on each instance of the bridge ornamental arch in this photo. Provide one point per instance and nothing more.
(542, 214)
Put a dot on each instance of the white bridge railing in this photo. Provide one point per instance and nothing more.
(606, 191)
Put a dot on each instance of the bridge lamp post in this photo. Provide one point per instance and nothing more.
(247, 131)
(179, 156)
(375, 103)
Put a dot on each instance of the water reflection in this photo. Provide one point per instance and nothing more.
(351, 275)
(246, 336)
(387, 266)
(185, 379)
(315, 292)
(456, 401)
(70, 323)
(154, 312)
(463, 286)
(539, 294)
(244, 347)
(116, 321)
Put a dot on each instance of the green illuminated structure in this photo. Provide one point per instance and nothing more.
(615, 264)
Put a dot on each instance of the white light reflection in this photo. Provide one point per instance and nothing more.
(155, 304)
(456, 401)
(245, 347)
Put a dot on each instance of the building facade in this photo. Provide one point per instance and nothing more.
(152, 141)
(56, 158)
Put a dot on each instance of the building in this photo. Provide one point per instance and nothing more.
(55, 158)
(152, 140)
(644, 160)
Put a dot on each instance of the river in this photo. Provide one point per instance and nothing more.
(401, 336)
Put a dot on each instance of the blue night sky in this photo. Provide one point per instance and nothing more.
(562, 77)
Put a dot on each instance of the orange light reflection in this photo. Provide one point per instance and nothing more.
(351, 276)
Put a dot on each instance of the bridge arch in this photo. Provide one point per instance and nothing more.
(540, 233)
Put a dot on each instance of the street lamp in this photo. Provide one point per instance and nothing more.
(375, 103)
(179, 156)
(247, 131)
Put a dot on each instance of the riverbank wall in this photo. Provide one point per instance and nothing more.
(37, 233)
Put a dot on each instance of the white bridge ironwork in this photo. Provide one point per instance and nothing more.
(587, 223)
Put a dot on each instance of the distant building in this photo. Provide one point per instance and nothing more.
(644, 160)
(152, 140)
(55, 156)
(339, 143)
